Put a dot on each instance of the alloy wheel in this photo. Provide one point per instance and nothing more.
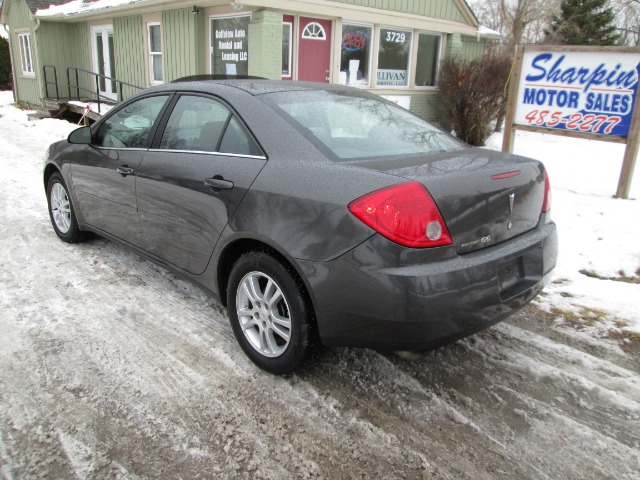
(263, 314)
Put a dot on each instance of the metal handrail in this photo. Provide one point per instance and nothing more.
(47, 82)
(96, 92)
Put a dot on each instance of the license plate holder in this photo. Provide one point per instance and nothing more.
(510, 273)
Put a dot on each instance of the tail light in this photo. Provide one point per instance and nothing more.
(405, 214)
(546, 205)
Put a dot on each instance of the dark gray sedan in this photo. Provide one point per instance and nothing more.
(315, 213)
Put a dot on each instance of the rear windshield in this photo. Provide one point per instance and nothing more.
(352, 126)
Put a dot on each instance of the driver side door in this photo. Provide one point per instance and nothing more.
(104, 173)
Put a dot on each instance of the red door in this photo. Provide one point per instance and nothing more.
(314, 54)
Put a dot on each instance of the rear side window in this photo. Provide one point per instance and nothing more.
(204, 125)
(130, 126)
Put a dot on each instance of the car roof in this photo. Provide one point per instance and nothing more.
(257, 86)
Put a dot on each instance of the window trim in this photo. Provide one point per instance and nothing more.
(290, 50)
(152, 79)
(411, 81)
(440, 52)
(26, 54)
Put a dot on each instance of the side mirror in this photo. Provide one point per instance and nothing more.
(81, 136)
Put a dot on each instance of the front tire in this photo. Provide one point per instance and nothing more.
(61, 211)
(268, 313)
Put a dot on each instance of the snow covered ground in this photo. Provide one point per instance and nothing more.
(111, 367)
(599, 255)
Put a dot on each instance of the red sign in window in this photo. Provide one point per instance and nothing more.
(354, 41)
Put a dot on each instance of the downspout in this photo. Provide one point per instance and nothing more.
(40, 74)
(14, 82)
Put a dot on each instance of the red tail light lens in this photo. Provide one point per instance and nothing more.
(405, 214)
(546, 205)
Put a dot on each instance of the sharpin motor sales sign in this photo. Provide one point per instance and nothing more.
(586, 92)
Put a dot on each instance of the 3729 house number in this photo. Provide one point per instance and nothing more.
(396, 37)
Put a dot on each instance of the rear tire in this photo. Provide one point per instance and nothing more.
(268, 313)
(61, 211)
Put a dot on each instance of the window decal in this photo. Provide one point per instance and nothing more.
(314, 31)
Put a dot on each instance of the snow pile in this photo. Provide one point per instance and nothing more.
(93, 106)
(599, 250)
(35, 133)
(486, 32)
(79, 6)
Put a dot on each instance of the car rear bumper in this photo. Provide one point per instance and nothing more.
(384, 296)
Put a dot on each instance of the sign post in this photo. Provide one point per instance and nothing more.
(583, 92)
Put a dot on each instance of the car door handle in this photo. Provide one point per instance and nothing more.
(218, 182)
(124, 170)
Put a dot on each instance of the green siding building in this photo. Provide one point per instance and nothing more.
(390, 47)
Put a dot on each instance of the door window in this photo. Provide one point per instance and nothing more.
(130, 126)
(236, 141)
(205, 125)
(104, 59)
(314, 31)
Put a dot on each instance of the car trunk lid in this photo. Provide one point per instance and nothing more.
(485, 197)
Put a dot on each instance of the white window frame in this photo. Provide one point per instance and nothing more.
(152, 79)
(411, 80)
(26, 56)
(290, 50)
(440, 56)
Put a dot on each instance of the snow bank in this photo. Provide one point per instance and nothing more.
(598, 234)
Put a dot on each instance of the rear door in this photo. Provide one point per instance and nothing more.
(190, 183)
(103, 173)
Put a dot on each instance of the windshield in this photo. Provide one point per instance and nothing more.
(353, 126)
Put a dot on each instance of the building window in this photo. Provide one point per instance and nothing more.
(155, 53)
(24, 40)
(287, 45)
(314, 31)
(394, 55)
(356, 54)
(229, 48)
(428, 59)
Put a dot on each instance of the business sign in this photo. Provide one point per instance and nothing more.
(354, 40)
(590, 92)
(578, 91)
(391, 78)
(229, 45)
